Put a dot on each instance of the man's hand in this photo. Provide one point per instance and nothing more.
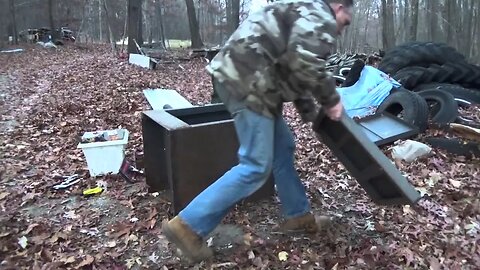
(335, 112)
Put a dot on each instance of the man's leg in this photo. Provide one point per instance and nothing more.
(294, 202)
(255, 133)
(290, 189)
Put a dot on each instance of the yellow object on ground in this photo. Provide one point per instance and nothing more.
(93, 191)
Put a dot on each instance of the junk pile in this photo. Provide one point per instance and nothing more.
(425, 84)
(341, 64)
(439, 74)
(104, 150)
(103, 136)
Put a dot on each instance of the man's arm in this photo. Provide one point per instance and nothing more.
(309, 43)
(306, 108)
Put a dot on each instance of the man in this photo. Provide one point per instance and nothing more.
(277, 55)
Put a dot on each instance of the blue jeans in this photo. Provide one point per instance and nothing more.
(266, 146)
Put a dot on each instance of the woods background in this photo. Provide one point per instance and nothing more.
(377, 24)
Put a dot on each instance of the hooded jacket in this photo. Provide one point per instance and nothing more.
(278, 55)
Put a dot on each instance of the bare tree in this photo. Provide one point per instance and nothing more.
(388, 28)
(100, 21)
(450, 12)
(233, 15)
(414, 24)
(160, 24)
(468, 11)
(134, 24)
(193, 24)
(14, 22)
(50, 14)
(432, 19)
(110, 32)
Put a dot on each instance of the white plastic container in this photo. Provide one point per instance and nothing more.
(104, 157)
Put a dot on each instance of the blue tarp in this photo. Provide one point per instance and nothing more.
(371, 89)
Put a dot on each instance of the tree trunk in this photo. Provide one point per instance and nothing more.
(50, 14)
(193, 24)
(125, 25)
(233, 15)
(414, 21)
(160, 24)
(134, 22)
(365, 36)
(149, 22)
(468, 9)
(110, 32)
(406, 20)
(450, 21)
(81, 34)
(14, 22)
(100, 30)
(388, 28)
(140, 23)
(431, 19)
(476, 33)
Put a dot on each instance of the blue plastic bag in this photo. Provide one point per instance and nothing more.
(371, 89)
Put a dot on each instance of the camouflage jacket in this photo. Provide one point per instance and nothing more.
(278, 55)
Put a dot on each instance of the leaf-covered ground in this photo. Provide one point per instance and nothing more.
(48, 98)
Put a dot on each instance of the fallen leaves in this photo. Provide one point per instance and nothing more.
(39, 239)
(455, 183)
(23, 241)
(112, 244)
(223, 265)
(153, 258)
(68, 259)
(58, 236)
(251, 255)
(57, 96)
(120, 229)
(133, 261)
(3, 195)
(30, 228)
(70, 215)
(408, 255)
(434, 264)
(86, 262)
(283, 256)
(247, 239)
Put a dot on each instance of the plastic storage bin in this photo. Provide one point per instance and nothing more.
(104, 157)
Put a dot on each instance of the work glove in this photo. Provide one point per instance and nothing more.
(307, 108)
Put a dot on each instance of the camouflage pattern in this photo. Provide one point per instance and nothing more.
(278, 55)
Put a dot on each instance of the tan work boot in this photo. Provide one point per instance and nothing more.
(190, 244)
(307, 223)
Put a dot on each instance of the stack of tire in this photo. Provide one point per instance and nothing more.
(436, 80)
(340, 65)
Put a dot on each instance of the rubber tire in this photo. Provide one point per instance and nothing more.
(455, 146)
(410, 77)
(458, 73)
(339, 80)
(354, 73)
(445, 108)
(457, 91)
(419, 54)
(413, 106)
(467, 122)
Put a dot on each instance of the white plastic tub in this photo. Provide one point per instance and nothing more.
(104, 157)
